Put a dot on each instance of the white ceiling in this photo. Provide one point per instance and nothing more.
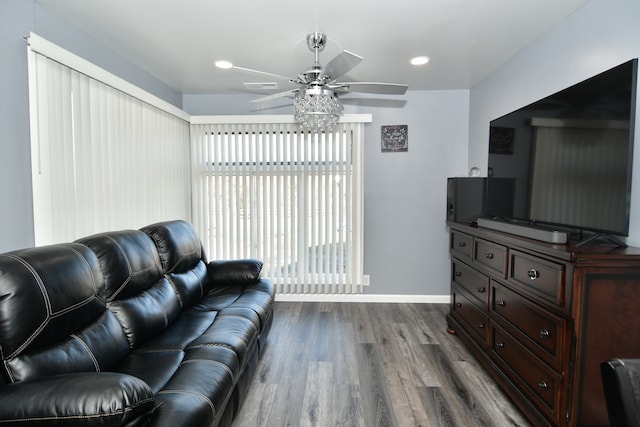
(178, 40)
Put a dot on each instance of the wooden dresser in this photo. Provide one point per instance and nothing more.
(542, 317)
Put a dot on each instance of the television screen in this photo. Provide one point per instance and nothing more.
(566, 159)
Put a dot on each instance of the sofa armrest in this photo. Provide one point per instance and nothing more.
(621, 381)
(77, 399)
(234, 272)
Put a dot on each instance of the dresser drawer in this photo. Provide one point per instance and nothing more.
(473, 319)
(541, 384)
(542, 332)
(545, 278)
(461, 244)
(491, 255)
(474, 282)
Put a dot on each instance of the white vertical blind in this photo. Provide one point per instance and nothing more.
(101, 159)
(290, 198)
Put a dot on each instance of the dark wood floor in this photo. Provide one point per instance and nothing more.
(358, 364)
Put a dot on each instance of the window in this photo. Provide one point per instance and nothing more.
(102, 158)
(290, 198)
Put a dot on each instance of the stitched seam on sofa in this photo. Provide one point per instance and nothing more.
(78, 417)
(126, 260)
(223, 315)
(126, 282)
(5, 363)
(129, 269)
(197, 252)
(88, 350)
(208, 345)
(36, 276)
(45, 296)
(50, 314)
(215, 362)
(193, 393)
(160, 350)
(74, 306)
(48, 319)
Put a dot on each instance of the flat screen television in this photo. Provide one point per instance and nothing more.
(566, 160)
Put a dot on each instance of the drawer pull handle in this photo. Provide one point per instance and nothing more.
(458, 304)
(542, 386)
(489, 255)
(480, 325)
(462, 244)
(544, 333)
(499, 345)
(458, 273)
(481, 290)
(501, 303)
(533, 274)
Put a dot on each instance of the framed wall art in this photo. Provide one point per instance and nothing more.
(395, 138)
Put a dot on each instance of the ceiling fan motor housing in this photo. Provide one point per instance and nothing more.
(316, 41)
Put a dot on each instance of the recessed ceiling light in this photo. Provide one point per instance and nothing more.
(224, 64)
(419, 60)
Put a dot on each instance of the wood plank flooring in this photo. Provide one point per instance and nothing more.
(365, 365)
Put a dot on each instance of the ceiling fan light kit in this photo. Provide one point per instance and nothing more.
(317, 109)
(315, 104)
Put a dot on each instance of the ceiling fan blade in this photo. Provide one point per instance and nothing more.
(341, 64)
(370, 87)
(275, 96)
(264, 73)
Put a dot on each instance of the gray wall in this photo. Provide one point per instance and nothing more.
(599, 35)
(406, 240)
(17, 19)
(16, 216)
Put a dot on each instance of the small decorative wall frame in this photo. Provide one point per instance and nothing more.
(395, 138)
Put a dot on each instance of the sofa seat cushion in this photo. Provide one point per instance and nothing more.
(209, 380)
(232, 331)
(155, 368)
(107, 399)
(178, 408)
(182, 332)
(199, 390)
(257, 297)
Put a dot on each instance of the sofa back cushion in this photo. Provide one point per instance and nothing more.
(137, 292)
(53, 317)
(183, 259)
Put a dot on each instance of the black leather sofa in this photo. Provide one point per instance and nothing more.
(129, 328)
(621, 381)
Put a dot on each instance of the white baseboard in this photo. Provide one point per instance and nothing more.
(398, 299)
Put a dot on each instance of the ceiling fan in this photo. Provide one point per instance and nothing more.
(316, 104)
